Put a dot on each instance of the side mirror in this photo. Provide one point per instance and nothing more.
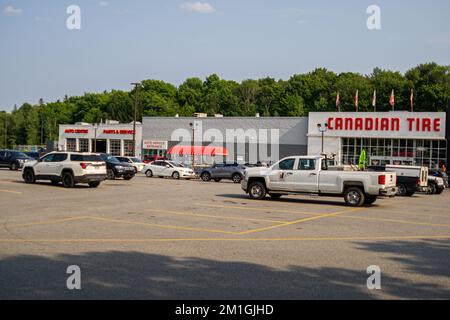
(167, 166)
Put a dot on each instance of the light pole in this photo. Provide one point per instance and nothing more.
(192, 125)
(136, 96)
(322, 129)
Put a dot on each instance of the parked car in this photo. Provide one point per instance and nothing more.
(150, 159)
(218, 172)
(116, 169)
(14, 160)
(435, 185)
(440, 174)
(407, 185)
(69, 168)
(310, 175)
(134, 161)
(34, 155)
(168, 169)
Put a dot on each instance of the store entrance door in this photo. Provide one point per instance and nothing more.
(99, 146)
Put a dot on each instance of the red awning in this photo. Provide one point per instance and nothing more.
(198, 151)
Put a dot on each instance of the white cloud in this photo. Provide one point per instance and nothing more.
(198, 7)
(11, 11)
(103, 3)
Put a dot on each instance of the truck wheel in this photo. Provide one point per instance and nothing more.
(401, 190)
(68, 180)
(257, 190)
(28, 176)
(275, 196)
(432, 188)
(206, 176)
(94, 184)
(439, 191)
(370, 200)
(354, 197)
(110, 174)
(14, 167)
(237, 178)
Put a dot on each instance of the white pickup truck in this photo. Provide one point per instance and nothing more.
(310, 175)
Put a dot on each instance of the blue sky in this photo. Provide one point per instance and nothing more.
(126, 41)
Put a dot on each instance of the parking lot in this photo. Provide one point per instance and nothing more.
(152, 238)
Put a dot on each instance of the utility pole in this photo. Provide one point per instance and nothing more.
(136, 96)
(6, 130)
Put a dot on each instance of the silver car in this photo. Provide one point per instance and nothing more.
(218, 172)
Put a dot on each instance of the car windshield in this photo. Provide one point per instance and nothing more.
(136, 160)
(110, 158)
(21, 155)
(176, 164)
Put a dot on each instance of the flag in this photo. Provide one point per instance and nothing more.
(338, 102)
(411, 99)
(357, 100)
(374, 101)
(392, 100)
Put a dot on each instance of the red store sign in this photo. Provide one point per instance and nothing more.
(108, 131)
(77, 131)
(385, 124)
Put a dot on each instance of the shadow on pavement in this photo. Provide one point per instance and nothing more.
(135, 275)
(287, 199)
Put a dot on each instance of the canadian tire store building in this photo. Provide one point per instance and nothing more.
(111, 137)
(387, 137)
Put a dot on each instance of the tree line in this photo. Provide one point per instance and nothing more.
(34, 124)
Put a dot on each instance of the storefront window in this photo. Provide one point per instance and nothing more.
(71, 145)
(396, 151)
(83, 145)
(128, 148)
(114, 147)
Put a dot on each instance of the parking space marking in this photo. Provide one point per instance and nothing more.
(161, 226)
(328, 215)
(398, 221)
(258, 209)
(215, 217)
(304, 239)
(428, 214)
(11, 191)
(30, 224)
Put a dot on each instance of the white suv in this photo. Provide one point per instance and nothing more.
(69, 168)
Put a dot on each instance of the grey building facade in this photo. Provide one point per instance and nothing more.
(246, 139)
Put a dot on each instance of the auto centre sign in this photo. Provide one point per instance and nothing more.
(408, 125)
(155, 145)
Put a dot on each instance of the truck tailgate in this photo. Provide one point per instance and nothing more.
(391, 179)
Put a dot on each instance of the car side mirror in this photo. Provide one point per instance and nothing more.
(167, 166)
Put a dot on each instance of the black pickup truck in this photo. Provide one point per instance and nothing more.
(406, 186)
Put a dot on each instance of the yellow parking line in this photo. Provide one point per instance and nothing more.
(216, 217)
(258, 209)
(10, 191)
(298, 221)
(11, 226)
(398, 221)
(303, 239)
(161, 226)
